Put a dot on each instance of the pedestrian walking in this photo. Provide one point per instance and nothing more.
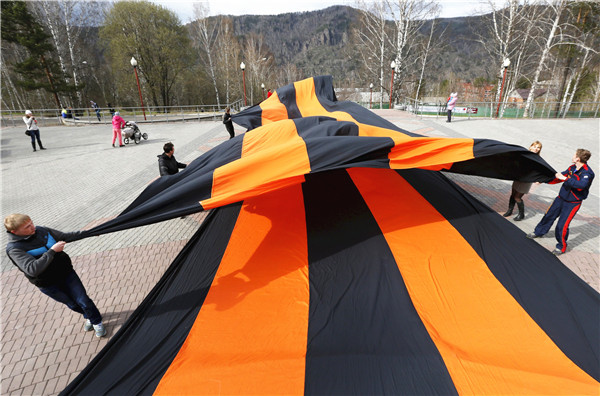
(577, 180)
(39, 253)
(33, 130)
(96, 109)
(117, 122)
(228, 123)
(519, 189)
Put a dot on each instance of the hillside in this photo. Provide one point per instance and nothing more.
(319, 42)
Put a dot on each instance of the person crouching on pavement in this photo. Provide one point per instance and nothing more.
(577, 180)
(118, 122)
(38, 253)
(167, 164)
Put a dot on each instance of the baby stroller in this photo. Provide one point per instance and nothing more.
(132, 132)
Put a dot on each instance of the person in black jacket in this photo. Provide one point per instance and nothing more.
(228, 123)
(167, 164)
(38, 253)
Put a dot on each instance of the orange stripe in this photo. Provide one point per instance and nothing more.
(489, 344)
(410, 152)
(272, 110)
(273, 156)
(250, 335)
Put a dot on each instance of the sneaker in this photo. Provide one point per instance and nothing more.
(87, 326)
(122, 145)
(557, 252)
(532, 235)
(113, 145)
(100, 330)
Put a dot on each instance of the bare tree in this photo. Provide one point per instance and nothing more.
(259, 62)
(373, 38)
(227, 55)
(68, 21)
(557, 7)
(408, 17)
(431, 41)
(206, 35)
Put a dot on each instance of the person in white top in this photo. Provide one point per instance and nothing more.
(32, 128)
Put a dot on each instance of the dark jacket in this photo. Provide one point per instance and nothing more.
(168, 165)
(228, 122)
(32, 255)
(577, 186)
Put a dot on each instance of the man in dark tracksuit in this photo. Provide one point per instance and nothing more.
(577, 180)
(167, 164)
(38, 253)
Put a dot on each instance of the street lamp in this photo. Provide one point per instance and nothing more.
(263, 90)
(505, 65)
(371, 100)
(393, 66)
(243, 67)
(134, 64)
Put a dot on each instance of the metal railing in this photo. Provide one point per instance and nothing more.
(510, 111)
(88, 116)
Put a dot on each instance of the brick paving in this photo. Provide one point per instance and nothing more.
(81, 181)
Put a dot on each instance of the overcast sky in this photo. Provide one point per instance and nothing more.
(184, 9)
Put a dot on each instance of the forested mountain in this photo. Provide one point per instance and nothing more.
(320, 42)
(199, 63)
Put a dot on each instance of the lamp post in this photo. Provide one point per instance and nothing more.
(263, 90)
(505, 65)
(134, 64)
(393, 66)
(371, 99)
(243, 67)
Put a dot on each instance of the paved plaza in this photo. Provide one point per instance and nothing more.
(81, 181)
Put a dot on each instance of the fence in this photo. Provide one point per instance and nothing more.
(87, 116)
(512, 110)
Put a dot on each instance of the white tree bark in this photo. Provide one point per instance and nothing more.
(206, 37)
(425, 54)
(577, 80)
(558, 10)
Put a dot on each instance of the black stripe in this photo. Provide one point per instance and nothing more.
(327, 99)
(176, 195)
(332, 144)
(136, 358)
(250, 118)
(505, 161)
(364, 334)
(287, 96)
(562, 304)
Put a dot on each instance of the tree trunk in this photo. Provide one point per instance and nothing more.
(574, 89)
(559, 9)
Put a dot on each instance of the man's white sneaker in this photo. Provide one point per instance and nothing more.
(87, 326)
(100, 330)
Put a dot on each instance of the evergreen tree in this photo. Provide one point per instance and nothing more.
(38, 71)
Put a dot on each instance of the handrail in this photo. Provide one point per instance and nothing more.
(87, 116)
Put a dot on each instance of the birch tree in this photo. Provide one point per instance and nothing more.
(408, 17)
(373, 38)
(259, 62)
(206, 36)
(227, 55)
(68, 22)
(432, 41)
(558, 8)
(511, 28)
